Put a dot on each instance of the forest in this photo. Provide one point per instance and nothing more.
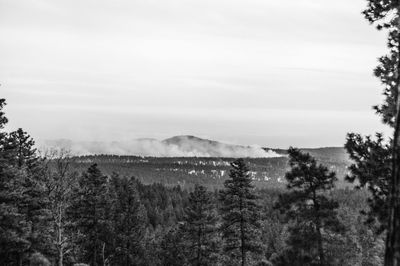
(207, 171)
(55, 213)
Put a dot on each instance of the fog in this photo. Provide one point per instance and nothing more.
(182, 146)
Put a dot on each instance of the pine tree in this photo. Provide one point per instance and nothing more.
(21, 145)
(88, 210)
(14, 229)
(309, 210)
(240, 214)
(34, 203)
(373, 158)
(371, 169)
(129, 222)
(385, 14)
(200, 227)
(172, 248)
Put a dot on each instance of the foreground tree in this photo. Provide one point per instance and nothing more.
(34, 203)
(128, 223)
(310, 212)
(385, 15)
(240, 214)
(14, 230)
(200, 228)
(371, 169)
(89, 211)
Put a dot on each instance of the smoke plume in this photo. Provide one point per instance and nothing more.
(180, 146)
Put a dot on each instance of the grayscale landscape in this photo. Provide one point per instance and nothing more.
(199, 133)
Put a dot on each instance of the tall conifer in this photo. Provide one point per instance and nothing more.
(89, 209)
(200, 227)
(14, 229)
(240, 214)
(309, 210)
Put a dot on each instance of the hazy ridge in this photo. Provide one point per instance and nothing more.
(178, 146)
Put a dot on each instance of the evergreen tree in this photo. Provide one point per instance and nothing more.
(200, 227)
(172, 248)
(129, 223)
(371, 169)
(89, 209)
(240, 214)
(385, 14)
(21, 146)
(34, 203)
(310, 212)
(14, 229)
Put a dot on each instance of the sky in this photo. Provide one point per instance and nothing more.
(264, 72)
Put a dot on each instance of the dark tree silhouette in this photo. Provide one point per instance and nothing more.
(309, 210)
(200, 227)
(34, 203)
(89, 209)
(128, 222)
(14, 229)
(385, 15)
(240, 214)
(371, 169)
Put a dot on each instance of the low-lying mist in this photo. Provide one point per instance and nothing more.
(180, 146)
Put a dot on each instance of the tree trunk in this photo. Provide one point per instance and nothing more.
(242, 244)
(60, 259)
(102, 253)
(392, 254)
(198, 245)
(320, 245)
(60, 239)
(318, 229)
(127, 254)
(19, 259)
(94, 259)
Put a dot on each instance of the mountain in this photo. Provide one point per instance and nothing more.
(198, 147)
(178, 146)
(189, 160)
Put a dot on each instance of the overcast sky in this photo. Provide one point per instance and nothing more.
(268, 72)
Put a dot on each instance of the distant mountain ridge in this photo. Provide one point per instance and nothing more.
(177, 140)
(188, 160)
(177, 146)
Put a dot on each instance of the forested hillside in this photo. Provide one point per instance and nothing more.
(209, 171)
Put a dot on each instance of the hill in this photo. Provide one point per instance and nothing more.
(178, 146)
(187, 160)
